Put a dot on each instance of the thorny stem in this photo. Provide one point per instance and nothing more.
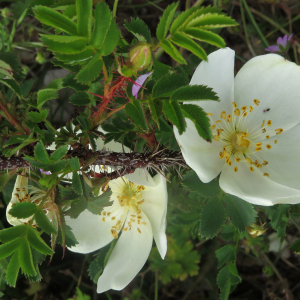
(113, 112)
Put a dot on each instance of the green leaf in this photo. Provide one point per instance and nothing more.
(277, 213)
(241, 213)
(70, 239)
(90, 71)
(103, 21)
(179, 21)
(82, 119)
(225, 254)
(199, 117)
(182, 40)
(43, 222)
(35, 164)
(13, 270)
(84, 17)
(25, 258)
(13, 85)
(77, 207)
(10, 247)
(9, 234)
(38, 117)
(194, 93)
(76, 183)
(205, 36)
(226, 279)
(59, 166)
(212, 218)
(13, 61)
(41, 154)
(78, 58)
(211, 21)
(111, 40)
(165, 21)
(98, 264)
(167, 84)
(69, 81)
(160, 70)
(80, 99)
(96, 204)
(174, 114)
(23, 210)
(45, 95)
(296, 246)
(172, 51)
(156, 109)
(73, 46)
(37, 242)
(59, 153)
(48, 180)
(53, 18)
(135, 112)
(139, 29)
(74, 163)
(6, 69)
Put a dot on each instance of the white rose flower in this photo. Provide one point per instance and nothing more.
(255, 127)
(137, 215)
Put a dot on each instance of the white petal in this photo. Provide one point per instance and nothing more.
(141, 177)
(127, 258)
(155, 207)
(274, 81)
(218, 74)
(200, 155)
(256, 188)
(283, 158)
(90, 231)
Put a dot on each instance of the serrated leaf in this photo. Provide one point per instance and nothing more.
(70, 239)
(10, 247)
(79, 58)
(13, 270)
(139, 29)
(38, 117)
(135, 112)
(70, 81)
(296, 246)
(225, 254)
(9, 234)
(25, 258)
(156, 109)
(211, 20)
(80, 99)
(76, 183)
(41, 154)
(160, 69)
(192, 182)
(111, 40)
(48, 180)
(13, 85)
(277, 213)
(84, 17)
(179, 21)
(45, 95)
(6, 69)
(37, 242)
(165, 21)
(23, 210)
(98, 264)
(90, 71)
(172, 51)
(199, 117)
(225, 280)
(77, 207)
(205, 36)
(194, 93)
(174, 114)
(241, 213)
(182, 40)
(74, 163)
(75, 45)
(82, 119)
(59, 153)
(103, 18)
(96, 204)
(36, 164)
(59, 166)
(53, 18)
(167, 84)
(43, 222)
(212, 218)
(13, 61)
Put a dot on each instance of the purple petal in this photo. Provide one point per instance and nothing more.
(139, 82)
(290, 36)
(283, 41)
(273, 48)
(45, 172)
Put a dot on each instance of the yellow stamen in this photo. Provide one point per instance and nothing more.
(269, 146)
(237, 112)
(243, 108)
(235, 169)
(269, 123)
(223, 115)
(267, 136)
(234, 104)
(279, 130)
(251, 169)
(263, 123)
(275, 141)
(256, 102)
(229, 118)
(266, 174)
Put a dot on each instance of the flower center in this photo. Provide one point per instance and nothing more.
(241, 144)
(127, 198)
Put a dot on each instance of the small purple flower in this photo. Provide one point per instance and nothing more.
(138, 84)
(45, 172)
(282, 44)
